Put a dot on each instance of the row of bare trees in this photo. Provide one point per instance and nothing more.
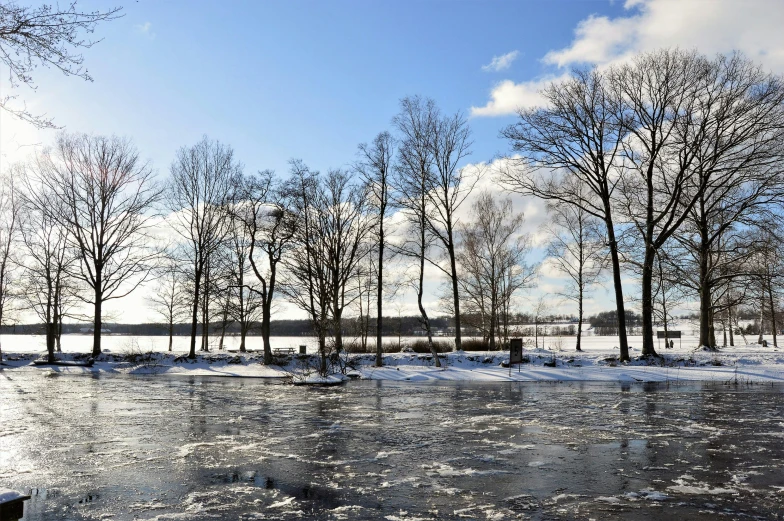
(222, 245)
(325, 241)
(679, 157)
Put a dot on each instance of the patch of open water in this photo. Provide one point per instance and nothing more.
(199, 448)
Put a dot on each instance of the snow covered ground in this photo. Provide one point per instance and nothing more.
(556, 361)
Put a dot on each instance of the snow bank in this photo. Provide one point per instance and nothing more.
(598, 362)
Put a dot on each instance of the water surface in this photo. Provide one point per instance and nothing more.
(198, 448)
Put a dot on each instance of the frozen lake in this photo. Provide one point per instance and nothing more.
(198, 448)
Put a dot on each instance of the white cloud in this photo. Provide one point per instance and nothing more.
(507, 97)
(145, 29)
(500, 63)
(719, 26)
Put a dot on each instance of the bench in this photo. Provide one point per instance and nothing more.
(283, 351)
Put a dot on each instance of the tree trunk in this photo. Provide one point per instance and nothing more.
(243, 333)
(380, 294)
(59, 334)
(772, 312)
(493, 320)
(712, 329)
(195, 314)
(647, 302)
(322, 340)
(224, 324)
(265, 331)
(50, 328)
(423, 313)
(580, 317)
(729, 321)
(98, 321)
(619, 304)
(171, 334)
(455, 294)
(762, 314)
(338, 329)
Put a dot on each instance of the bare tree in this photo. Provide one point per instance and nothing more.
(375, 166)
(201, 188)
(269, 223)
(104, 198)
(412, 173)
(244, 299)
(578, 250)
(344, 226)
(491, 261)
(332, 242)
(307, 280)
(446, 189)
(569, 154)
(48, 36)
(738, 168)
(540, 309)
(9, 230)
(168, 298)
(690, 123)
(47, 261)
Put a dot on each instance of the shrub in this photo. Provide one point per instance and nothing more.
(421, 346)
(474, 344)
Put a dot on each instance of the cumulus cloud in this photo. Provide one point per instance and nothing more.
(720, 26)
(507, 97)
(500, 63)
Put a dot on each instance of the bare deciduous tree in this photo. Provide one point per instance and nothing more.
(412, 172)
(375, 166)
(269, 224)
(9, 229)
(201, 188)
(47, 261)
(104, 197)
(578, 250)
(168, 300)
(739, 169)
(48, 36)
(446, 189)
(307, 280)
(569, 154)
(491, 262)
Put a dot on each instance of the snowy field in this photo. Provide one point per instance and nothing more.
(556, 361)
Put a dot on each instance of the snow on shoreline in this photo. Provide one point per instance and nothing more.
(597, 363)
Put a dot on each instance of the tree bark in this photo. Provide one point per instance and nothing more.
(171, 334)
(762, 314)
(265, 331)
(647, 302)
(729, 320)
(98, 320)
(422, 312)
(195, 314)
(455, 292)
(619, 304)
(772, 311)
(380, 293)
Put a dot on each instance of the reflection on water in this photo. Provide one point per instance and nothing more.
(196, 448)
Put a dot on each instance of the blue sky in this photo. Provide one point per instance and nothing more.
(278, 80)
(311, 80)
